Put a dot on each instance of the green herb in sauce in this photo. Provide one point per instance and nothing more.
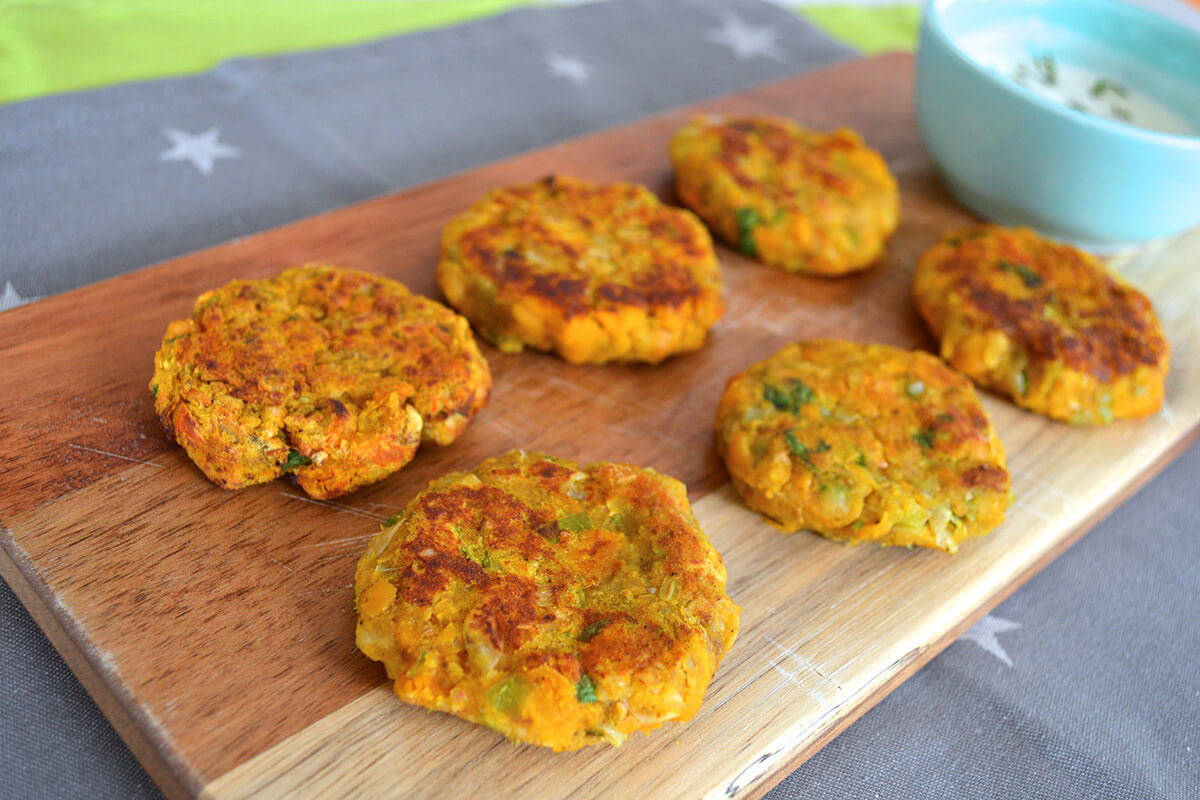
(1089, 92)
(925, 438)
(1046, 68)
(1104, 85)
(1042, 67)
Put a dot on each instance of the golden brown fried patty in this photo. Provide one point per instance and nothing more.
(334, 375)
(790, 197)
(593, 273)
(1044, 323)
(863, 443)
(557, 605)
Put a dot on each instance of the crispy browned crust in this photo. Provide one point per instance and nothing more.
(559, 605)
(594, 273)
(821, 203)
(1044, 323)
(334, 375)
(863, 443)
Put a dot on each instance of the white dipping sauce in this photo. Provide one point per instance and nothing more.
(1054, 68)
(1093, 93)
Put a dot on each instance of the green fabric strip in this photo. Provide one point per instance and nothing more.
(49, 47)
(870, 29)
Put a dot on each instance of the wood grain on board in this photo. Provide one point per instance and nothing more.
(216, 628)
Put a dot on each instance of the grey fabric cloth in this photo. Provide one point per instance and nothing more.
(317, 131)
(1081, 685)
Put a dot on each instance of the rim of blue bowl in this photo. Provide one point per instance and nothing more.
(932, 16)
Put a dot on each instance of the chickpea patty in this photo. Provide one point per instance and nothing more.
(558, 605)
(593, 273)
(1043, 323)
(863, 443)
(821, 203)
(333, 375)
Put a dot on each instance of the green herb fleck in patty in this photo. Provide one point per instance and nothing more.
(800, 449)
(788, 397)
(296, 459)
(1030, 278)
(585, 690)
(590, 632)
(575, 523)
(747, 219)
(925, 438)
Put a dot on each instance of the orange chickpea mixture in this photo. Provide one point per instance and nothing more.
(863, 443)
(1044, 323)
(559, 605)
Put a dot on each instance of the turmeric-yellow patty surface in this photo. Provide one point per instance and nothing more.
(863, 443)
(1044, 323)
(334, 375)
(595, 273)
(559, 605)
(801, 200)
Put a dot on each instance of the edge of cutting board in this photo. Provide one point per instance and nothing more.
(151, 741)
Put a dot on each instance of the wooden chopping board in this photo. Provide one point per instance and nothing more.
(216, 628)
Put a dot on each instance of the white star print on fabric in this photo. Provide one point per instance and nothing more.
(983, 633)
(746, 41)
(202, 149)
(568, 67)
(10, 298)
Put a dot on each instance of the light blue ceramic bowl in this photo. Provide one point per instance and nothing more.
(1022, 159)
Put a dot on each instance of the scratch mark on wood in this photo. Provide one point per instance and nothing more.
(578, 391)
(347, 540)
(793, 677)
(1030, 509)
(378, 505)
(323, 560)
(802, 661)
(337, 507)
(114, 455)
(326, 590)
(505, 427)
(280, 563)
(1068, 498)
(734, 692)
